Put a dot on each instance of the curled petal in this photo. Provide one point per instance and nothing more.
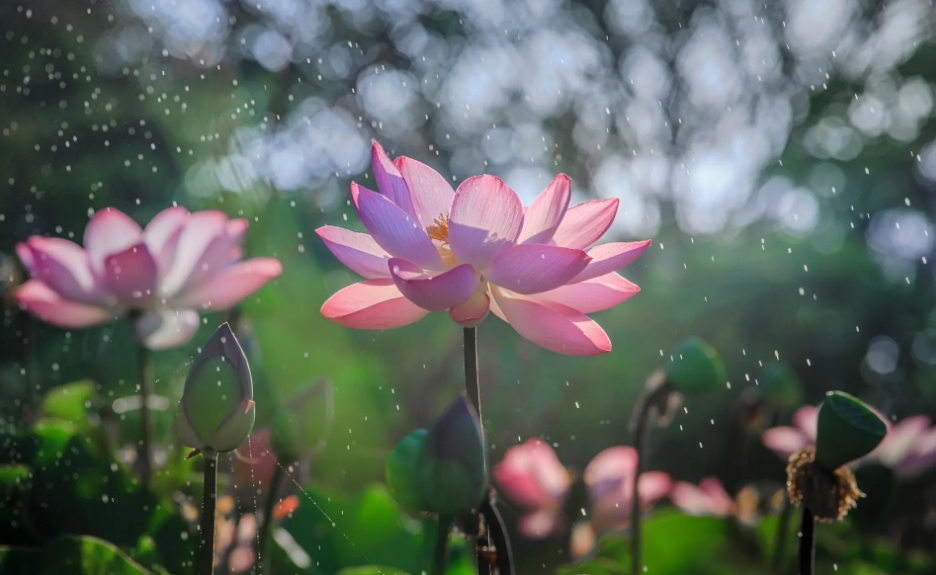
(553, 326)
(357, 251)
(430, 193)
(162, 236)
(64, 267)
(544, 215)
(531, 475)
(391, 183)
(110, 231)
(44, 303)
(166, 329)
(534, 268)
(585, 223)
(393, 230)
(230, 285)
(784, 441)
(473, 311)
(371, 304)
(132, 275)
(486, 219)
(609, 257)
(434, 293)
(596, 294)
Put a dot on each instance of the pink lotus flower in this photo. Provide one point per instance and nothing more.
(707, 498)
(162, 275)
(532, 476)
(909, 448)
(477, 250)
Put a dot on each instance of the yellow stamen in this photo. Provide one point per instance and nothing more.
(439, 230)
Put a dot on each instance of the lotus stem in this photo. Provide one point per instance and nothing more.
(640, 430)
(807, 545)
(440, 551)
(263, 536)
(472, 385)
(497, 535)
(144, 453)
(783, 527)
(205, 564)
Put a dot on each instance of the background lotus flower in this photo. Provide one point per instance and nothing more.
(531, 475)
(180, 263)
(708, 497)
(909, 448)
(476, 250)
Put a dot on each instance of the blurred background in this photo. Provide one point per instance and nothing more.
(780, 155)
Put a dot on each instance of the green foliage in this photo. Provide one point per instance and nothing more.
(74, 555)
(401, 470)
(371, 570)
(303, 421)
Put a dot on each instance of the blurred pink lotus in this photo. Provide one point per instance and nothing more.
(531, 475)
(476, 250)
(255, 463)
(707, 498)
(163, 274)
(909, 448)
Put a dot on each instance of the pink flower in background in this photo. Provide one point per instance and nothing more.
(181, 263)
(475, 250)
(531, 475)
(707, 498)
(255, 462)
(909, 448)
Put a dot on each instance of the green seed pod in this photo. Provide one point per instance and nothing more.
(695, 367)
(847, 430)
(216, 412)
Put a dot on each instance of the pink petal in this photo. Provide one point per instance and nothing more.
(64, 267)
(607, 258)
(613, 467)
(807, 418)
(110, 231)
(162, 235)
(203, 248)
(371, 304)
(542, 218)
(584, 224)
(24, 253)
(430, 193)
(553, 326)
(434, 293)
(357, 251)
(132, 275)
(486, 219)
(44, 303)
(167, 328)
(899, 440)
(709, 497)
(922, 456)
(653, 485)
(592, 295)
(784, 441)
(236, 229)
(393, 230)
(472, 311)
(390, 182)
(541, 524)
(535, 268)
(231, 284)
(583, 539)
(531, 475)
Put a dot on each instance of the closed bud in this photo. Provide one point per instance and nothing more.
(302, 423)
(695, 366)
(216, 413)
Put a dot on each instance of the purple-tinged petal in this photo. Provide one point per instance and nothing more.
(24, 253)
(535, 268)
(110, 231)
(531, 475)
(390, 181)
(472, 311)
(607, 258)
(486, 219)
(922, 456)
(132, 276)
(203, 248)
(63, 266)
(784, 441)
(584, 224)
(371, 304)
(551, 325)
(230, 285)
(46, 304)
(544, 215)
(162, 236)
(590, 296)
(167, 328)
(430, 193)
(393, 230)
(357, 251)
(433, 292)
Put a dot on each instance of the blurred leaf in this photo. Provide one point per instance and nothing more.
(371, 570)
(69, 402)
(72, 555)
(175, 545)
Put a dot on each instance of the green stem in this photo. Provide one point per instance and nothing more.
(144, 453)
(472, 385)
(205, 564)
(783, 527)
(267, 525)
(641, 430)
(440, 551)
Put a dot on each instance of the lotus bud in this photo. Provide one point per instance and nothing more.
(301, 425)
(216, 413)
(401, 471)
(695, 366)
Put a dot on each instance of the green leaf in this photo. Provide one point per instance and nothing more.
(371, 570)
(15, 489)
(70, 402)
(72, 555)
(401, 470)
(847, 430)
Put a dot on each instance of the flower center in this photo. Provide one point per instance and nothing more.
(440, 229)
